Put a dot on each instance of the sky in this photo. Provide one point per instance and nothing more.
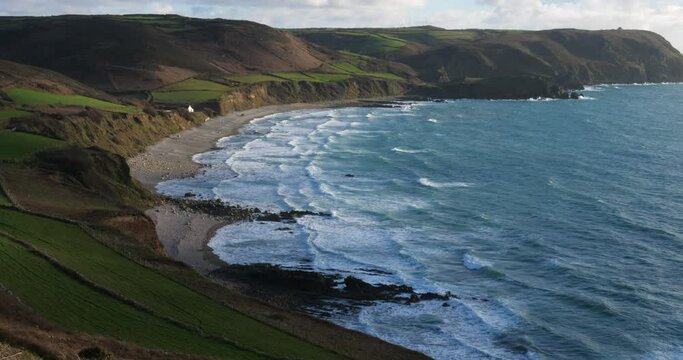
(662, 16)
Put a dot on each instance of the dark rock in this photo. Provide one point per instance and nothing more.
(275, 276)
(189, 194)
(414, 298)
(445, 304)
(95, 353)
(287, 216)
(350, 175)
(433, 296)
(574, 95)
(358, 289)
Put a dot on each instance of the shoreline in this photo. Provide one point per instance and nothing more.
(185, 234)
(186, 231)
(171, 158)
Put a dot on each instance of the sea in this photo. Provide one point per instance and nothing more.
(558, 224)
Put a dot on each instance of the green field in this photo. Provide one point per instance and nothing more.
(4, 200)
(62, 299)
(356, 71)
(293, 76)
(68, 244)
(311, 76)
(185, 97)
(453, 34)
(347, 67)
(32, 97)
(372, 42)
(11, 114)
(195, 85)
(190, 91)
(253, 78)
(7, 115)
(17, 145)
(323, 77)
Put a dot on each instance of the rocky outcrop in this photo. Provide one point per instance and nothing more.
(315, 286)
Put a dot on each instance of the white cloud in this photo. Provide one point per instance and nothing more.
(664, 17)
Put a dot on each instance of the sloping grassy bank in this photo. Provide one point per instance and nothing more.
(164, 312)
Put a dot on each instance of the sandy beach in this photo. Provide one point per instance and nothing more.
(171, 158)
(185, 233)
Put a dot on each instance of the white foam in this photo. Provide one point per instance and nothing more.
(439, 185)
(474, 263)
(433, 120)
(597, 88)
(408, 151)
(452, 332)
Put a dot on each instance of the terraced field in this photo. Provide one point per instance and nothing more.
(17, 145)
(175, 307)
(29, 97)
(60, 298)
(7, 115)
(190, 91)
(253, 78)
(356, 71)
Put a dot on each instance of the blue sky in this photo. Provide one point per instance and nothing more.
(662, 16)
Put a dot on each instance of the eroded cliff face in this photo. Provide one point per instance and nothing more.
(128, 134)
(300, 92)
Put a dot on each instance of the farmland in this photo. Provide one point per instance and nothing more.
(29, 97)
(190, 91)
(72, 303)
(16, 145)
(253, 78)
(66, 244)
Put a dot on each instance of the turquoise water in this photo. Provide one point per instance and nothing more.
(558, 223)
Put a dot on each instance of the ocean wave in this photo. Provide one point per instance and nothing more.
(439, 185)
(474, 263)
(540, 99)
(433, 120)
(597, 88)
(409, 151)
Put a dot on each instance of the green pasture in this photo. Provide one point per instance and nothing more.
(17, 145)
(74, 248)
(28, 97)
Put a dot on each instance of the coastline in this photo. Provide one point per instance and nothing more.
(171, 158)
(185, 232)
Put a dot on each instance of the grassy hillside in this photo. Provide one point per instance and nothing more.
(15, 145)
(28, 97)
(142, 52)
(567, 56)
(73, 304)
(165, 304)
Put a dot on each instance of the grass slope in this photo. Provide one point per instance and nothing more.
(569, 56)
(68, 243)
(253, 78)
(4, 200)
(33, 97)
(16, 145)
(190, 91)
(196, 84)
(7, 115)
(60, 298)
(185, 97)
